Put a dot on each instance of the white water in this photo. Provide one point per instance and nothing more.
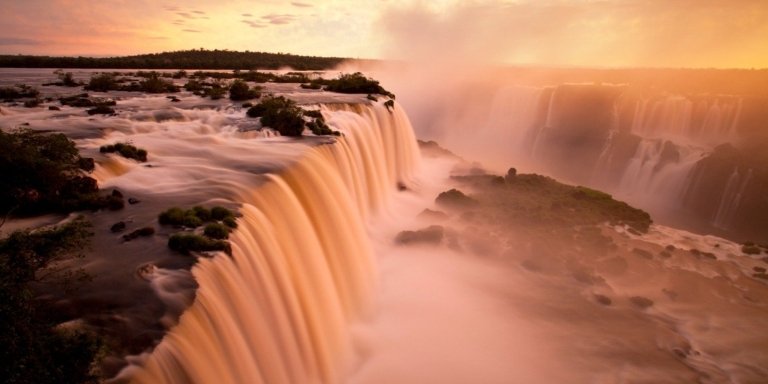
(300, 274)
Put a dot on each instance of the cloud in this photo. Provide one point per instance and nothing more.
(199, 12)
(559, 32)
(18, 41)
(192, 30)
(279, 18)
(185, 15)
(253, 24)
(247, 15)
(301, 5)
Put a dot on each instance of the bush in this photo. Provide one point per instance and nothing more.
(155, 84)
(172, 216)
(103, 82)
(42, 172)
(186, 243)
(202, 213)
(751, 249)
(34, 350)
(18, 92)
(230, 222)
(193, 86)
(125, 150)
(356, 83)
(454, 198)
(221, 213)
(280, 114)
(239, 90)
(215, 93)
(216, 231)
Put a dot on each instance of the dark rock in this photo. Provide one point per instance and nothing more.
(117, 193)
(641, 302)
(604, 300)
(118, 227)
(101, 110)
(401, 186)
(643, 253)
(511, 174)
(430, 235)
(54, 108)
(132, 200)
(143, 232)
(433, 215)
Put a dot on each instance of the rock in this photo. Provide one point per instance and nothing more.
(143, 232)
(759, 269)
(117, 193)
(511, 174)
(455, 199)
(604, 300)
(401, 186)
(641, 302)
(132, 200)
(430, 235)
(118, 227)
(54, 108)
(433, 215)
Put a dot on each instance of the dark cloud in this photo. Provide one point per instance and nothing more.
(279, 18)
(199, 12)
(185, 15)
(247, 15)
(253, 24)
(301, 5)
(191, 30)
(18, 41)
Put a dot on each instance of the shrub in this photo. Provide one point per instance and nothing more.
(125, 150)
(193, 85)
(221, 213)
(34, 350)
(155, 84)
(356, 83)
(215, 93)
(239, 90)
(280, 114)
(390, 104)
(216, 231)
(202, 213)
(172, 216)
(229, 222)
(32, 103)
(18, 92)
(318, 127)
(103, 82)
(455, 199)
(186, 243)
(41, 172)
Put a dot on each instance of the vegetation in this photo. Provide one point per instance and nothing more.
(539, 201)
(284, 116)
(35, 349)
(356, 83)
(190, 59)
(43, 172)
(66, 79)
(216, 231)
(454, 199)
(126, 150)
(155, 84)
(186, 243)
(239, 90)
(18, 92)
(751, 249)
(103, 82)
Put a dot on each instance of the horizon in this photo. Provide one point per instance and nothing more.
(607, 34)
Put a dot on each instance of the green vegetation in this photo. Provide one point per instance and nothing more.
(219, 220)
(209, 59)
(216, 231)
(356, 83)
(454, 199)
(103, 82)
(239, 90)
(186, 243)
(126, 150)
(538, 201)
(18, 92)
(155, 84)
(35, 349)
(284, 116)
(43, 172)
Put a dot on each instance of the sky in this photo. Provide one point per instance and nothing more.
(604, 33)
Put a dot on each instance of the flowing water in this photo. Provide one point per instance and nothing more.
(317, 291)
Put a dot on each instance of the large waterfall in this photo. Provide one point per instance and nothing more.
(279, 309)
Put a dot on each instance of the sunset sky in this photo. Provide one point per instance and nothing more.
(659, 33)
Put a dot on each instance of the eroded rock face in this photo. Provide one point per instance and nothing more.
(431, 235)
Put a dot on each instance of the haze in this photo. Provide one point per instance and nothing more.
(616, 33)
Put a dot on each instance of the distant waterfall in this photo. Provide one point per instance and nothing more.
(729, 203)
(278, 310)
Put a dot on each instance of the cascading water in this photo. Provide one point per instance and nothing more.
(279, 309)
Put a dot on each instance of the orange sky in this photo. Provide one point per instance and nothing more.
(657, 33)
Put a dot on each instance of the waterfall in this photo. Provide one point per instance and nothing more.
(731, 199)
(279, 309)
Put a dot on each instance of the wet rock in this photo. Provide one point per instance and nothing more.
(118, 227)
(54, 108)
(759, 269)
(117, 193)
(604, 300)
(430, 235)
(142, 232)
(433, 215)
(101, 110)
(641, 302)
(132, 201)
(643, 253)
